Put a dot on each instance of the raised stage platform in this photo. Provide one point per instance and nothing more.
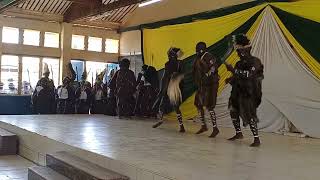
(134, 149)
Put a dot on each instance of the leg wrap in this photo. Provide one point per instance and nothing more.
(235, 121)
(254, 127)
(201, 117)
(179, 118)
(213, 118)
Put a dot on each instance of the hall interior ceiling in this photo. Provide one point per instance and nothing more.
(102, 13)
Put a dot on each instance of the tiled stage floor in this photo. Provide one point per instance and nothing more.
(14, 168)
(181, 156)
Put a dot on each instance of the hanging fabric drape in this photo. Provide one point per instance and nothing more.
(308, 9)
(308, 59)
(156, 42)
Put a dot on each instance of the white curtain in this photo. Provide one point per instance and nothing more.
(290, 92)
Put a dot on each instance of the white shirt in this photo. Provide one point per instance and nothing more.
(63, 93)
(83, 95)
(98, 95)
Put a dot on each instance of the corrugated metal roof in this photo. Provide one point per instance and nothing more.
(47, 6)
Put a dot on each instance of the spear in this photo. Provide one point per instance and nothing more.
(29, 79)
(77, 74)
(51, 71)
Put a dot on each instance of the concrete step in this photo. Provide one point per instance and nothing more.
(44, 173)
(76, 168)
(8, 143)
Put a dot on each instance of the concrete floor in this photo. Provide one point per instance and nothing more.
(14, 168)
(181, 156)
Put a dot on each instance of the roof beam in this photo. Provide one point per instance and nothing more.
(6, 4)
(78, 10)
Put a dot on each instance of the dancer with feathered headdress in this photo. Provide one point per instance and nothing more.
(170, 91)
(43, 98)
(66, 93)
(246, 89)
(83, 95)
(99, 94)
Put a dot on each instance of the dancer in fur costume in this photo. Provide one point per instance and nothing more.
(205, 75)
(124, 85)
(246, 89)
(43, 98)
(83, 95)
(170, 92)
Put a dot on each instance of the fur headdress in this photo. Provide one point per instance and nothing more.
(45, 68)
(99, 77)
(84, 74)
(241, 41)
(175, 52)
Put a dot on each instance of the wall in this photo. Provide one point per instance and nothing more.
(168, 9)
(130, 43)
(130, 47)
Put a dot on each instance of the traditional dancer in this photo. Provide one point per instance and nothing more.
(170, 92)
(43, 98)
(84, 95)
(124, 85)
(65, 94)
(99, 94)
(148, 84)
(205, 75)
(65, 97)
(246, 91)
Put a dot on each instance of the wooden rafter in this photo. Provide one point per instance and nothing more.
(80, 9)
(6, 4)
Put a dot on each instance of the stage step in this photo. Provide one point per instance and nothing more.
(8, 143)
(44, 173)
(76, 168)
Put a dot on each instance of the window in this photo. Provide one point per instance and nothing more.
(51, 40)
(53, 65)
(112, 46)
(30, 74)
(31, 37)
(93, 69)
(112, 68)
(95, 44)
(10, 35)
(9, 74)
(78, 67)
(77, 42)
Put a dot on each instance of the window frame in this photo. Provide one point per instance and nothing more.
(72, 42)
(44, 39)
(106, 46)
(30, 44)
(96, 38)
(3, 35)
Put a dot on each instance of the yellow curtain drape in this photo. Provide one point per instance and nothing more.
(308, 9)
(312, 63)
(156, 42)
(187, 108)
